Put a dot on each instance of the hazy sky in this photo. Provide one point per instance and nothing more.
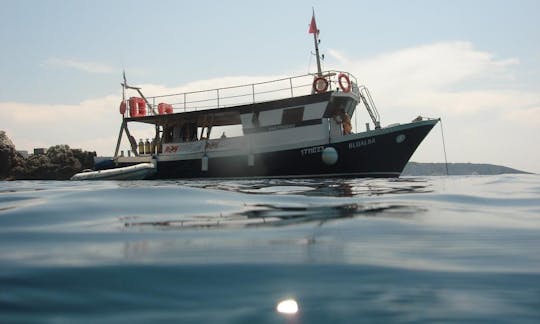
(475, 64)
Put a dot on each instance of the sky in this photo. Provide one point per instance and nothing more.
(474, 64)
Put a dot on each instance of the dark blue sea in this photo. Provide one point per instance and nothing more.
(408, 250)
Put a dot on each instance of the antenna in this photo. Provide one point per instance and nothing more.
(124, 85)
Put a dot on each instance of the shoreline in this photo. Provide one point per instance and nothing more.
(60, 162)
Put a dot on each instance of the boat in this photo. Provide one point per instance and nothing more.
(297, 126)
(139, 171)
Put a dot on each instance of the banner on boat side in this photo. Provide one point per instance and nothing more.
(184, 147)
(171, 148)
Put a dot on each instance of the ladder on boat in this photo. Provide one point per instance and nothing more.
(365, 95)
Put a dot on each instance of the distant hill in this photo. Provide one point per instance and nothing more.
(424, 169)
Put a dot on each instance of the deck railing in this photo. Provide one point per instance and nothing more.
(248, 93)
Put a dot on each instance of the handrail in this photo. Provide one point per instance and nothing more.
(259, 92)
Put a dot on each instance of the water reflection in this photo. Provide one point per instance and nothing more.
(268, 202)
(258, 215)
(333, 187)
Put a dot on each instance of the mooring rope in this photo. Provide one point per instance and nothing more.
(444, 147)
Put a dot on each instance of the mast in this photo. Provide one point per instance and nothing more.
(313, 30)
(123, 125)
(316, 38)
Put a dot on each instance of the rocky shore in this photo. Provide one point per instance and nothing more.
(59, 162)
(440, 169)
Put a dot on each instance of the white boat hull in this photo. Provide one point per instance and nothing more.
(134, 172)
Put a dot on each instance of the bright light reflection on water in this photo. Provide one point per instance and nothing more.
(287, 306)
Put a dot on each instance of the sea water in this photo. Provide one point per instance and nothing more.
(426, 249)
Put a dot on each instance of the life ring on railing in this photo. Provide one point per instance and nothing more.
(134, 107)
(123, 107)
(320, 85)
(142, 107)
(340, 81)
(165, 108)
(137, 107)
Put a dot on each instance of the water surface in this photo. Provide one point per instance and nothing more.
(433, 249)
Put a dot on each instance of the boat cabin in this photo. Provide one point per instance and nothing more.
(189, 128)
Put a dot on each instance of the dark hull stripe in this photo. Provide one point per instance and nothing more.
(381, 155)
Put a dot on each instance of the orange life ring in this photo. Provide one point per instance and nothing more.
(340, 81)
(142, 107)
(134, 106)
(318, 82)
(162, 107)
(123, 107)
(165, 108)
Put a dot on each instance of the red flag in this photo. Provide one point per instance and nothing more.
(313, 26)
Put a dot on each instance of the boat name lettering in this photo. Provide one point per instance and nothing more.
(364, 142)
(169, 149)
(312, 150)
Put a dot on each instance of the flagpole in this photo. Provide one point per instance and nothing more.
(313, 29)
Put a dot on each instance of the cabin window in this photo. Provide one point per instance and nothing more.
(292, 115)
